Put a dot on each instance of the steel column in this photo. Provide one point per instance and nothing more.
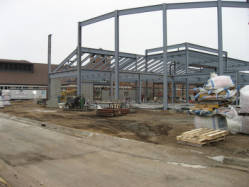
(165, 75)
(79, 62)
(111, 85)
(116, 55)
(136, 64)
(146, 81)
(187, 81)
(220, 41)
(140, 88)
(49, 65)
(173, 84)
(237, 87)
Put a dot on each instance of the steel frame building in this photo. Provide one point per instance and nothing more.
(182, 63)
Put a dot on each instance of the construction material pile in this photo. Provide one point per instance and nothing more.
(218, 92)
(202, 136)
(6, 97)
(113, 109)
(244, 100)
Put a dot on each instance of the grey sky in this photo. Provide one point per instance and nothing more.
(25, 25)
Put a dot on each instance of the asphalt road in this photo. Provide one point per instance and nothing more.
(31, 155)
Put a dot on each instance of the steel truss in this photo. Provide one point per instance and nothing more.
(181, 63)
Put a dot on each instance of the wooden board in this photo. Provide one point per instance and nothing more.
(202, 136)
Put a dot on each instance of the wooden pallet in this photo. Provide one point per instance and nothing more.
(202, 136)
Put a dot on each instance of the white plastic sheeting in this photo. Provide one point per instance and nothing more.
(217, 82)
(244, 99)
(28, 94)
(1, 102)
(6, 97)
(212, 122)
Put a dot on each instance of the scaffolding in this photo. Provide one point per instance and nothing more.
(181, 63)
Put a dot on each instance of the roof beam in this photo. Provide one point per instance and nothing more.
(97, 19)
(107, 52)
(233, 4)
(65, 60)
(170, 6)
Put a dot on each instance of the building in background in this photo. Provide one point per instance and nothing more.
(24, 79)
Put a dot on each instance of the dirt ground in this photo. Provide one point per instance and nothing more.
(156, 126)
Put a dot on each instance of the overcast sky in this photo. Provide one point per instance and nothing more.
(25, 25)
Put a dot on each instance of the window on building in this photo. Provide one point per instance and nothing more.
(16, 67)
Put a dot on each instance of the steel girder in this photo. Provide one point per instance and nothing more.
(199, 62)
(170, 6)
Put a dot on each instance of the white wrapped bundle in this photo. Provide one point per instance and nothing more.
(6, 97)
(244, 99)
(1, 102)
(217, 82)
(214, 122)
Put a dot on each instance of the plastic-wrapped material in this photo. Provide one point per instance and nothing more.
(245, 124)
(213, 122)
(1, 102)
(234, 121)
(6, 97)
(244, 99)
(217, 82)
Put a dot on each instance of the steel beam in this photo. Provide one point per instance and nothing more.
(171, 6)
(165, 75)
(146, 81)
(169, 47)
(140, 88)
(140, 10)
(191, 5)
(138, 64)
(111, 85)
(203, 48)
(49, 64)
(97, 19)
(186, 69)
(103, 65)
(127, 63)
(116, 55)
(107, 52)
(233, 4)
(79, 61)
(89, 63)
(65, 60)
(220, 42)
(237, 87)
(173, 91)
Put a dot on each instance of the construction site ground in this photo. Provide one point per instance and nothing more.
(50, 147)
(153, 126)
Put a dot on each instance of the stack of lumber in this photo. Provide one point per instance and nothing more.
(108, 112)
(202, 136)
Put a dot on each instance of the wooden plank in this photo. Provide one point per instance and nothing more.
(202, 136)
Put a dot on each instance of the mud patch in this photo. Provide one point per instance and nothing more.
(132, 129)
(23, 159)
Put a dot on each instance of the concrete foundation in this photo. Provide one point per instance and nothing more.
(54, 93)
